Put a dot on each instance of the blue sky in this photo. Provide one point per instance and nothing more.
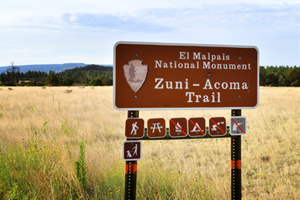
(56, 32)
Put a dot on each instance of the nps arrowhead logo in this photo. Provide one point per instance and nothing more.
(135, 73)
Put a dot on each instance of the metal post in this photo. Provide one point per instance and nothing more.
(236, 175)
(131, 169)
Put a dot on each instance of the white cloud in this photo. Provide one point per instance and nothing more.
(89, 32)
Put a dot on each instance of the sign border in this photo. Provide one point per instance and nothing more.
(181, 44)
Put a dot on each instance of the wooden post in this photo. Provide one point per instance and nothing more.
(131, 169)
(236, 175)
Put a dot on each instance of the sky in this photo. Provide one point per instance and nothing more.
(85, 31)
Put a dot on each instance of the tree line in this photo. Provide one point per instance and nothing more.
(96, 75)
(279, 76)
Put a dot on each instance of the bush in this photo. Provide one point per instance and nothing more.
(96, 82)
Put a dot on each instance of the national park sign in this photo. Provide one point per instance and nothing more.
(185, 76)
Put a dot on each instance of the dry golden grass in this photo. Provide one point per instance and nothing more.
(270, 150)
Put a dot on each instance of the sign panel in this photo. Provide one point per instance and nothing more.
(217, 126)
(178, 127)
(185, 76)
(134, 128)
(197, 127)
(156, 128)
(132, 150)
(238, 125)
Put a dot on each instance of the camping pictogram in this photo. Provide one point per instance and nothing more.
(197, 127)
(238, 125)
(156, 128)
(132, 150)
(135, 73)
(178, 127)
(217, 126)
(134, 128)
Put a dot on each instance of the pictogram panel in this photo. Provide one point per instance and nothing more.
(197, 127)
(217, 126)
(178, 127)
(134, 128)
(238, 125)
(156, 128)
(132, 150)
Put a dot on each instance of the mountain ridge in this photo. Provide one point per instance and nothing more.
(47, 67)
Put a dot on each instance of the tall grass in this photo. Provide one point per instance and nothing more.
(38, 159)
(38, 171)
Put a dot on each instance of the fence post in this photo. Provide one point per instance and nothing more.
(236, 175)
(131, 169)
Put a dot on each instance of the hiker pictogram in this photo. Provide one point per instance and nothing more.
(134, 128)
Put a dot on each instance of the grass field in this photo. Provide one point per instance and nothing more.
(42, 130)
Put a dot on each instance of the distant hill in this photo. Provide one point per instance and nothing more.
(46, 67)
(89, 68)
(84, 75)
(40, 75)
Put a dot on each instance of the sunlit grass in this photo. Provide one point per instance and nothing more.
(181, 169)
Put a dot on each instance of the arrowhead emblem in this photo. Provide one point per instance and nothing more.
(135, 73)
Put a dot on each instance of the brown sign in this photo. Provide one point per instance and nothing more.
(178, 127)
(156, 128)
(132, 150)
(134, 128)
(180, 76)
(217, 126)
(197, 127)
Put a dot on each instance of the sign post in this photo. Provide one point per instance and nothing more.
(236, 163)
(131, 169)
